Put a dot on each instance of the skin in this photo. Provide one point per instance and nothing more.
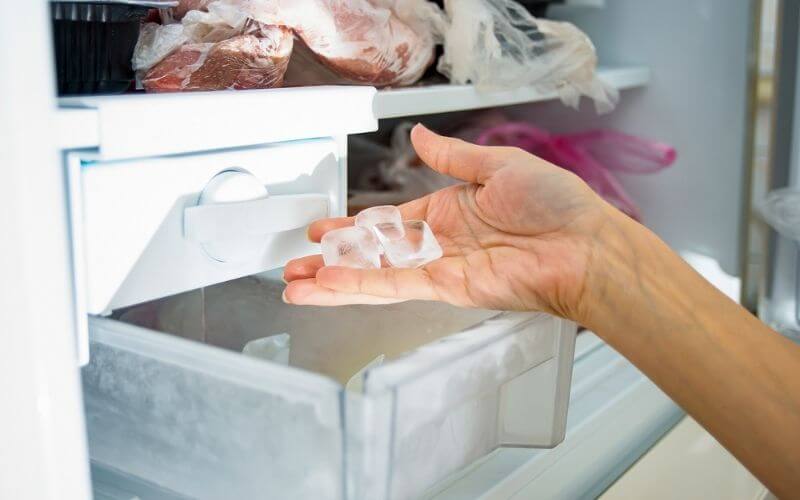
(522, 234)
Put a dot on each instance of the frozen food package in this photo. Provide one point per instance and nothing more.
(256, 60)
(498, 44)
(369, 42)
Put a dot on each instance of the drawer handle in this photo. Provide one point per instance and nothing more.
(274, 214)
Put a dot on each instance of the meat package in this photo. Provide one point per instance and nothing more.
(253, 60)
(247, 44)
(209, 45)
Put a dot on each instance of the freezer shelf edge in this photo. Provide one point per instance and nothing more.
(141, 125)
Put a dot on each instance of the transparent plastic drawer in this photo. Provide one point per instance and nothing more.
(328, 403)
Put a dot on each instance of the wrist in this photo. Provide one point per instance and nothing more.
(623, 271)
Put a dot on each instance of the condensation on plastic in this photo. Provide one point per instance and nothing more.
(498, 44)
(781, 210)
(592, 155)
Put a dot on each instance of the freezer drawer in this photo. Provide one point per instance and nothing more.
(147, 228)
(194, 416)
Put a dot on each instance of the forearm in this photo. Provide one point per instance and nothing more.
(734, 375)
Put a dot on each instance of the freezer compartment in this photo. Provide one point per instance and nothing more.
(171, 401)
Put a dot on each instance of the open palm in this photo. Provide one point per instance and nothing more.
(517, 235)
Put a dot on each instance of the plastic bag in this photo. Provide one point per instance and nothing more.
(373, 42)
(391, 175)
(498, 44)
(256, 60)
(351, 41)
(591, 155)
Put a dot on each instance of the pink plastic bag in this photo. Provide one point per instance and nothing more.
(591, 155)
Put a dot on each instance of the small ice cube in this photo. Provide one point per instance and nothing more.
(351, 247)
(274, 348)
(416, 247)
(385, 214)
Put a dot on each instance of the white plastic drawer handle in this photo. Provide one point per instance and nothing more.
(274, 214)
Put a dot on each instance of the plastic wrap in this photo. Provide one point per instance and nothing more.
(591, 155)
(391, 175)
(498, 44)
(371, 42)
(256, 60)
(374, 42)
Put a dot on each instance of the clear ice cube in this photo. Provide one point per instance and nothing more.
(385, 214)
(351, 247)
(416, 247)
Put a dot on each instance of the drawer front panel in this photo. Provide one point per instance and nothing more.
(141, 236)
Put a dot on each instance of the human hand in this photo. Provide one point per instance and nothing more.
(520, 234)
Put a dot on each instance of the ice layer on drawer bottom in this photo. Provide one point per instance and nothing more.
(172, 401)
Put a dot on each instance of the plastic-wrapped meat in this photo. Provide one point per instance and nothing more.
(358, 42)
(251, 61)
(370, 42)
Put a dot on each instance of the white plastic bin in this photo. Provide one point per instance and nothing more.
(194, 416)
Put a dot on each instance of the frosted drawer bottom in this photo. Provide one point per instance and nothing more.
(194, 416)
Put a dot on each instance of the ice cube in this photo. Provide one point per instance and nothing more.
(416, 247)
(385, 214)
(274, 348)
(351, 247)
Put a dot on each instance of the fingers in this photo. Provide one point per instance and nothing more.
(309, 292)
(304, 267)
(390, 282)
(455, 157)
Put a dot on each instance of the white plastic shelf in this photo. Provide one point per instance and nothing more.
(411, 101)
(139, 125)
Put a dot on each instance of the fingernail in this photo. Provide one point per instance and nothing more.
(283, 278)
(283, 297)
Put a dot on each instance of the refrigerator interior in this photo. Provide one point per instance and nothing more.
(695, 96)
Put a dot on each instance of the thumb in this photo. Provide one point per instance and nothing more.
(455, 157)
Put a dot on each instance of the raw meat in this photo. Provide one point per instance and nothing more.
(252, 61)
(371, 42)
